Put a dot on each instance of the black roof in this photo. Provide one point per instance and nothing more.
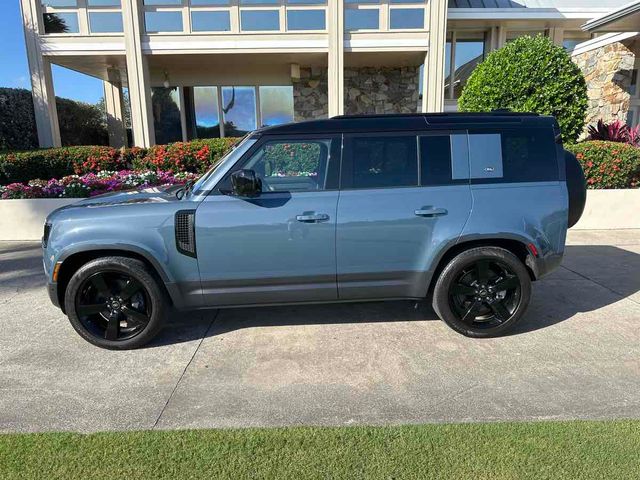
(412, 121)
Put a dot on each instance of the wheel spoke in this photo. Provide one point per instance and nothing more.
(462, 289)
(85, 310)
(138, 318)
(113, 326)
(500, 311)
(482, 270)
(508, 283)
(475, 306)
(100, 284)
(129, 289)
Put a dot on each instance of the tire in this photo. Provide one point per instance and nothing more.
(116, 303)
(482, 292)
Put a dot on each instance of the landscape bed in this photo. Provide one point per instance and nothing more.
(537, 450)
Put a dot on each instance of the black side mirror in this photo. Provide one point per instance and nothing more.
(245, 183)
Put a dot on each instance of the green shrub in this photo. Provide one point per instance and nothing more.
(608, 164)
(530, 74)
(195, 156)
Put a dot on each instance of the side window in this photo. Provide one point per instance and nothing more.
(529, 155)
(381, 161)
(485, 156)
(435, 160)
(288, 166)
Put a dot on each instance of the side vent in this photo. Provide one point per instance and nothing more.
(186, 232)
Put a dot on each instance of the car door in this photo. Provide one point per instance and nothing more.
(403, 197)
(278, 247)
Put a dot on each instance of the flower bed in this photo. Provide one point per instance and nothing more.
(90, 184)
(608, 164)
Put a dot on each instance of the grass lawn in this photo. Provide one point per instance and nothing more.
(539, 450)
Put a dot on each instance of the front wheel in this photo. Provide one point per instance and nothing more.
(482, 292)
(115, 303)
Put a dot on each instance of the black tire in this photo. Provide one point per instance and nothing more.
(120, 289)
(491, 304)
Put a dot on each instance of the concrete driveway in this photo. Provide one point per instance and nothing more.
(575, 355)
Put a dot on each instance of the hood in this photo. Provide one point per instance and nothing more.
(163, 194)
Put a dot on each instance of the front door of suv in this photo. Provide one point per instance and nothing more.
(403, 197)
(278, 247)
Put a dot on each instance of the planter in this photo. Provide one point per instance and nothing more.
(605, 209)
(24, 219)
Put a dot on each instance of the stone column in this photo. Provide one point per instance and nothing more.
(433, 80)
(335, 72)
(138, 75)
(114, 106)
(44, 98)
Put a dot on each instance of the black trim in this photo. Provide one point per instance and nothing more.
(191, 251)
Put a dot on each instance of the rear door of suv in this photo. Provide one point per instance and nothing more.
(403, 196)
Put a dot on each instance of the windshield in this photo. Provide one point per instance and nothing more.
(199, 187)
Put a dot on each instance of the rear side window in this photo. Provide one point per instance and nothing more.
(512, 155)
(381, 162)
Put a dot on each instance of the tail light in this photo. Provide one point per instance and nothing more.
(186, 232)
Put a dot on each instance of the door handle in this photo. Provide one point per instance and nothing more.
(312, 218)
(430, 212)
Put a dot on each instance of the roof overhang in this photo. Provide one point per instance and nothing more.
(623, 19)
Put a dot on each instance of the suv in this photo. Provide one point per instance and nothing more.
(467, 208)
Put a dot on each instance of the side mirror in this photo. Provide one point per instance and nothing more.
(245, 183)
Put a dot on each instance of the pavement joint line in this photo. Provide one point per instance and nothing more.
(204, 335)
(622, 295)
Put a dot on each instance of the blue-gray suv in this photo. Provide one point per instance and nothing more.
(466, 209)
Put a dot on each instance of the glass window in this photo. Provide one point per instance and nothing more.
(258, 2)
(103, 3)
(306, 20)
(60, 3)
(105, 22)
(209, 2)
(367, 19)
(61, 23)
(485, 155)
(400, 18)
(256, 20)
(166, 114)
(468, 54)
(163, 2)
(633, 116)
(163, 21)
(207, 118)
(361, 1)
(382, 161)
(210, 21)
(238, 110)
(286, 166)
(435, 160)
(633, 84)
(570, 43)
(306, 2)
(406, 1)
(529, 155)
(276, 105)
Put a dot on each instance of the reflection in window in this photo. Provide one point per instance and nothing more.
(215, 21)
(239, 110)
(163, 21)
(103, 3)
(257, 20)
(60, 3)
(633, 84)
(166, 114)
(367, 19)
(401, 18)
(468, 53)
(163, 2)
(105, 22)
(406, 1)
(258, 2)
(61, 23)
(306, 2)
(306, 20)
(276, 105)
(205, 103)
(361, 1)
(209, 2)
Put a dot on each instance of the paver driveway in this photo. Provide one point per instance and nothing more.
(575, 355)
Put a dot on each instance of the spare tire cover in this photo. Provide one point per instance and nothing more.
(576, 187)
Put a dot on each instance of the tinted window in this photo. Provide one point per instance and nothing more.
(529, 155)
(382, 161)
(276, 105)
(166, 114)
(435, 160)
(238, 110)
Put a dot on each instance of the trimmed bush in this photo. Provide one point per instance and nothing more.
(195, 156)
(530, 74)
(608, 164)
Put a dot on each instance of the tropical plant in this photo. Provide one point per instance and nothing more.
(615, 132)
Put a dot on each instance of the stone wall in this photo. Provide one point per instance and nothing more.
(310, 94)
(381, 90)
(607, 71)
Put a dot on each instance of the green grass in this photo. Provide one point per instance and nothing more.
(464, 451)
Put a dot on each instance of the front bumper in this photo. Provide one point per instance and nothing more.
(52, 290)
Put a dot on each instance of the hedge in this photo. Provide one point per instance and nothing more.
(194, 157)
(608, 164)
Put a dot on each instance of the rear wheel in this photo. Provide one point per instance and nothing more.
(115, 303)
(482, 292)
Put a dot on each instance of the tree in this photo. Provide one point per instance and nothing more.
(530, 74)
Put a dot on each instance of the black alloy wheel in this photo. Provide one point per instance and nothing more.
(113, 305)
(482, 292)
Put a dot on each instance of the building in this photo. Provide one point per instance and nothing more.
(205, 68)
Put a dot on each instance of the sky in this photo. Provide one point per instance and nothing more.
(14, 70)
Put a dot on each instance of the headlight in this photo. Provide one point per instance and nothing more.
(45, 236)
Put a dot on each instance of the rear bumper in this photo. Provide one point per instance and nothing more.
(542, 266)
